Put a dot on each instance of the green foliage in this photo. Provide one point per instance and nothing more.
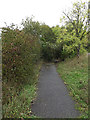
(47, 40)
(73, 36)
(31, 26)
(64, 39)
(20, 54)
(48, 51)
(47, 35)
(44, 34)
(57, 30)
(69, 42)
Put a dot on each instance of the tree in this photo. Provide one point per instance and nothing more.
(47, 35)
(77, 17)
(47, 40)
(31, 26)
(42, 31)
(44, 34)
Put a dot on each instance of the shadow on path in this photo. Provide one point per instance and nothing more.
(53, 100)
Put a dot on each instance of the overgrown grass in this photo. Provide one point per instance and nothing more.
(74, 72)
(20, 106)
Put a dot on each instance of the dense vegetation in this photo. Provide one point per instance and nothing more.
(20, 54)
(24, 49)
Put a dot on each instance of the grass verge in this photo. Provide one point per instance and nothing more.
(20, 106)
(74, 72)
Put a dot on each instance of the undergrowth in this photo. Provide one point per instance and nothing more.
(20, 105)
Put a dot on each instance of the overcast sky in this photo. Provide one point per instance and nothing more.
(48, 11)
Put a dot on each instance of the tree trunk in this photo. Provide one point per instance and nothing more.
(78, 52)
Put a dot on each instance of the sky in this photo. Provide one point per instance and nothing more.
(47, 11)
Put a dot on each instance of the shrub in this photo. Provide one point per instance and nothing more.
(20, 54)
(48, 51)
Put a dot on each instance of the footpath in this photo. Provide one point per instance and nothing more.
(53, 100)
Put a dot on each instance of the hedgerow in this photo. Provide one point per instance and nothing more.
(20, 54)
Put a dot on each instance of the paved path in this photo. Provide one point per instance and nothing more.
(53, 100)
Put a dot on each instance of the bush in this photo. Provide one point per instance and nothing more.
(20, 54)
(48, 51)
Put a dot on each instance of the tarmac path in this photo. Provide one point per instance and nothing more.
(53, 100)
